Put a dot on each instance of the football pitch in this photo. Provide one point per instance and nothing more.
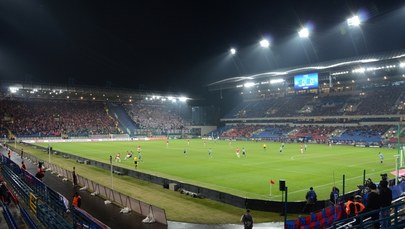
(189, 161)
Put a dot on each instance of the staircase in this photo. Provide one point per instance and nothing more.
(125, 121)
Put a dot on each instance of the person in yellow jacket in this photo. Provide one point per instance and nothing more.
(136, 162)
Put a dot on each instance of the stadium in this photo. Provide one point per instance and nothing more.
(167, 159)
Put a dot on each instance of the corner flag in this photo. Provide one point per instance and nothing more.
(272, 182)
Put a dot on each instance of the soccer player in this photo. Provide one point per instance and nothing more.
(167, 144)
(118, 157)
(129, 155)
(243, 152)
(210, 153)
(140, 156)
(264, 146)
(237, 152)
(185, 152)
(381, 157)
(302, 148)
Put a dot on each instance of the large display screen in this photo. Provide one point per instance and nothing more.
(306, 81)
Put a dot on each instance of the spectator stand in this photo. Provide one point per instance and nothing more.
(27, 219)
(396, 217)
(49, 206)
(335, 217)
(108, 193)
(8, 217)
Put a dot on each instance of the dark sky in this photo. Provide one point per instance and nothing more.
(181, 45)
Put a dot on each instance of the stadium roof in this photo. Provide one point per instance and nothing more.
(346, 64)
(75, 92)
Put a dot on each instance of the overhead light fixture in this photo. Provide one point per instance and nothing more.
(353, 21)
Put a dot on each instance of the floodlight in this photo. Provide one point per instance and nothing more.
(402, 64)
(232, 51)
(249, 84)
(353, 21)
(264, 43)
(183, 99)
(13, 89)
(303, 33)
(276, 81)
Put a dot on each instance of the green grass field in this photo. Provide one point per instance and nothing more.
(319, 166)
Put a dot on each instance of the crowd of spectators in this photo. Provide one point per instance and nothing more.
(366, 134)
(245, 131)
(52, 118)
(375, 101)
(156, 116)
(379, 101)
(320, 134)
(370, 135)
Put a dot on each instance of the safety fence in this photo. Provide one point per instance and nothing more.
(49, 206)
(107, 193)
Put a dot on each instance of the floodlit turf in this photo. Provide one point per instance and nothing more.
(319, 166)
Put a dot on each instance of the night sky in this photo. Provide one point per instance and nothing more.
(182, 45)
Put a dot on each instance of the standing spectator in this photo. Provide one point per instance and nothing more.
(247, 220)
(385, 201)
(373, 203)
(4, 194)
(311, 200)
(74, 177)
(350, 207)
(23, 166)
(40, 172)
(22, 153)
(9, 154)
(358, 208)
(334, 195)
(77, 200)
